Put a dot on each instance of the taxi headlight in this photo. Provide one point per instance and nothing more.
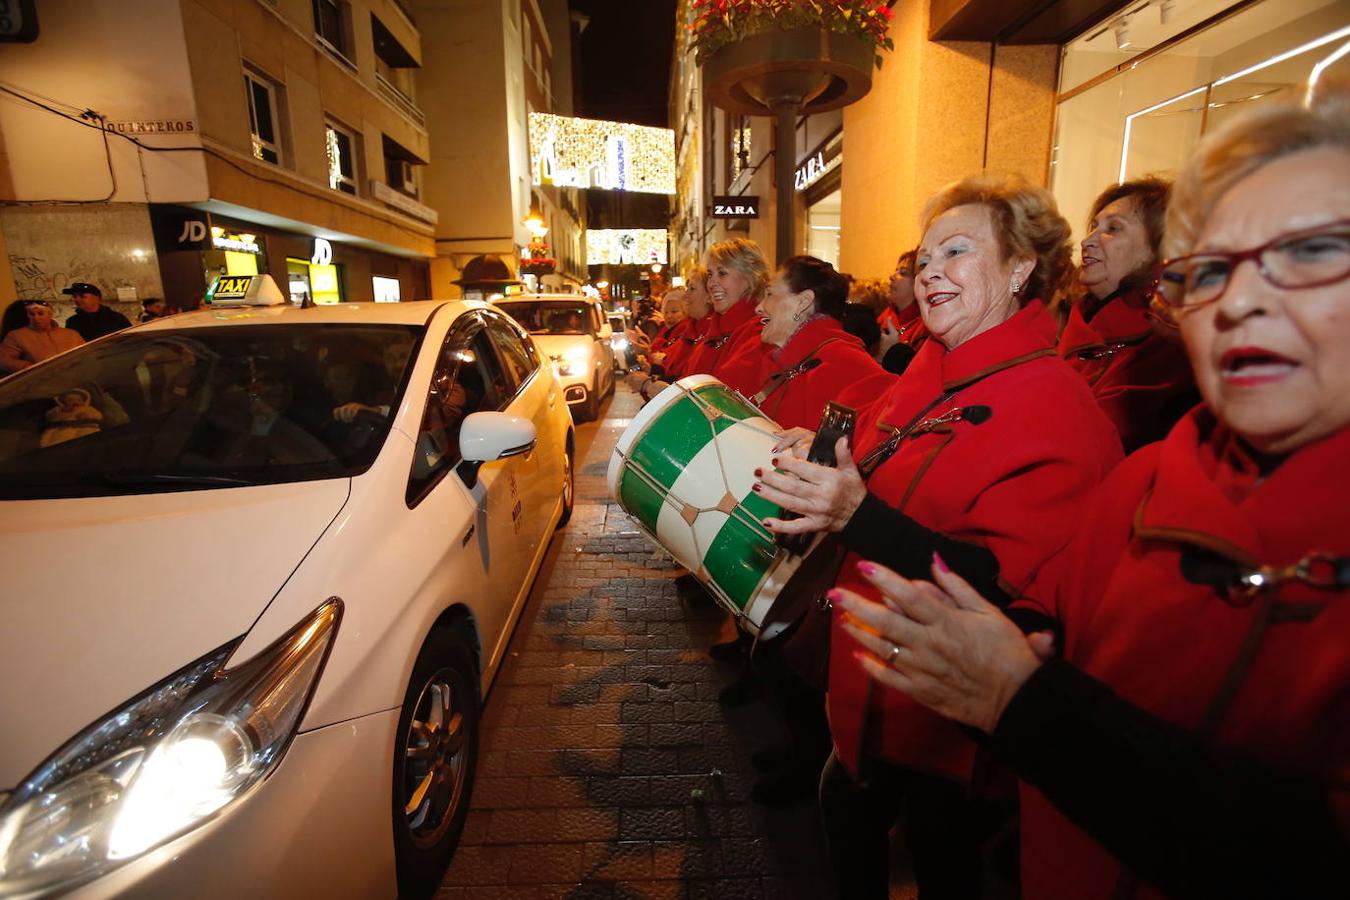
(572, 362)
(163, 764)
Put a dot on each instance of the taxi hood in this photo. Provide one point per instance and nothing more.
(104, 597)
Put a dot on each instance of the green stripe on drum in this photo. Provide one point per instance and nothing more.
(668, 445)
(741, 555)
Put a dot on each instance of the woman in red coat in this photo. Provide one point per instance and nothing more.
(673, 322)
(804, 358)
(1140, 377)
(737, 276)
(669, 364)
(984, 449)
(1192, 740)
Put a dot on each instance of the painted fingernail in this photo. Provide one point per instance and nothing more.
(755, 487)
(867, 568)
(773, 461)
(834, 595)
(939, 562)
(759, 473)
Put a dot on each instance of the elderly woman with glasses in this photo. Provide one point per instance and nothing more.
(1192, 737)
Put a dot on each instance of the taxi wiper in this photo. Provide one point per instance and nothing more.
(169, 478)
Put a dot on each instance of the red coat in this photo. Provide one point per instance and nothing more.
(1014, 484)
(1164, 644)
(679, 351)
(669, 333)
(720, 338)
(1142, 380)
(800, 400)
(909, 323)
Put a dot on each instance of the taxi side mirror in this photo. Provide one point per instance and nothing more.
(488, 436)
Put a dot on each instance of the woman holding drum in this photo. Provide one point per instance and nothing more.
(1192, 739)
(1141, 378)
(983, 450)
(804, 358)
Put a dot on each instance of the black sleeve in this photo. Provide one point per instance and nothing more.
(882, 533)
(1192, 820)
(897, 358)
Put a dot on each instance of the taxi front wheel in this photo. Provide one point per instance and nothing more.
(434, 761)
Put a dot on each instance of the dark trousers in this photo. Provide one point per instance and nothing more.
(944, 830)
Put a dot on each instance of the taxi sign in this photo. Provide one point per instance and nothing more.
(245, 290)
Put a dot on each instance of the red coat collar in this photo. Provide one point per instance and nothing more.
(1206, 493)
(725, 323)
(809, 338)
(1121, 317)
(1030, 333)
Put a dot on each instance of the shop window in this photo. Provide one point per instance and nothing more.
(386, 290)
(330, 24)
(822, 228)
(262, 118)
(311, 284)
(738, 153)
(341, 158)
(1137, 97)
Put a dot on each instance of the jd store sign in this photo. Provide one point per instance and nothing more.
(735, 208)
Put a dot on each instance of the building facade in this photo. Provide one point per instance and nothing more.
(1070, 95)
(495, 62)
(151, 148)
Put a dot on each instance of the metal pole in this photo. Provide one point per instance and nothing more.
(785, 110)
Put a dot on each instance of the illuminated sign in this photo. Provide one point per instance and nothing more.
(735, 208)
(819, 164)
(614, 156)
(231, 287)
(386, 289)
(626, 246)
(239, 243)
(323, 253)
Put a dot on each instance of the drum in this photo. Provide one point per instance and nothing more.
(683, 470)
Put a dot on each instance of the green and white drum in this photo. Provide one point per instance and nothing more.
(683, 469)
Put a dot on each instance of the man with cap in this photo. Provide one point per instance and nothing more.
(93, 320)
(39, 339)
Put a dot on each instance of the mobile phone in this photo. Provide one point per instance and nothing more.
(837, 421)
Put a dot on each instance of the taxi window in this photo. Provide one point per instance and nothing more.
(516, 362)
(467, 379)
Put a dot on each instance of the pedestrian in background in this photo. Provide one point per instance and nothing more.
(93, 320)
(40, 339)
(152, 308)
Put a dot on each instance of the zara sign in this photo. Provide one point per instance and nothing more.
(735, 208)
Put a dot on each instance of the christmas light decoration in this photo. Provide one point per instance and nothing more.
(589, 153)
(626, 246)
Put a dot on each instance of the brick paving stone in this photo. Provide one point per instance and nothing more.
(607, 769)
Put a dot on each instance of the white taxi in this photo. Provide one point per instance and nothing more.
(574, 332)
(260, 566)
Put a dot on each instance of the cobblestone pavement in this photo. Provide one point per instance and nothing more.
(607, 767)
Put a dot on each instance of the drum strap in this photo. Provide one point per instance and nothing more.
(780, 378)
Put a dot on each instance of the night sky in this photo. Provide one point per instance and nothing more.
(625, 59)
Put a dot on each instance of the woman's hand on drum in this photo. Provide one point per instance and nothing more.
(941, 643)
(824, 497)
(795, 441)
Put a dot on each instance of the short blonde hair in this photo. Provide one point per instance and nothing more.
(1026, 222)
(745, 257)
(696, 274)
(1244, 145)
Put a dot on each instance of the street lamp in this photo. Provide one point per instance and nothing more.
(534, 221)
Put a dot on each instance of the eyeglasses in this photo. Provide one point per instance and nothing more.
(1311, 258)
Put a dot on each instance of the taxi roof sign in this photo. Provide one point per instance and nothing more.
(245, 290)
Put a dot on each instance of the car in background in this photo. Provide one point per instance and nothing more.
(261, 566)
(572, 330)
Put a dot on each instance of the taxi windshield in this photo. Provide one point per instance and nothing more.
(550, 316)
(197, 408)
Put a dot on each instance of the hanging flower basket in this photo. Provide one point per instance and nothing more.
(826, 69)
(538, 266)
